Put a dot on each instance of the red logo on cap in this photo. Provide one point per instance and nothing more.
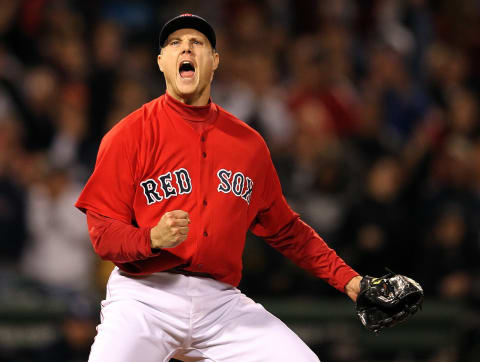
(186, 14)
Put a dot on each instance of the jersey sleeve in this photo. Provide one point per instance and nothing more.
(111, 188)
(118, 242)
(283, 229)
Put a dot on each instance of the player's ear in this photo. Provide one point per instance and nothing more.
(216, 60)
(159, 61)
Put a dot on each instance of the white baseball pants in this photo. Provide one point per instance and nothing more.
(163, 315)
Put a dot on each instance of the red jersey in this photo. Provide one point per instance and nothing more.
(158, 159)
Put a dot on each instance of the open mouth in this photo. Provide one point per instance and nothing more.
(187, 69)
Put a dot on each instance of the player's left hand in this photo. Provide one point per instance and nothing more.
(387, 301)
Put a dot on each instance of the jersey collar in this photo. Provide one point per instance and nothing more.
(191, 113)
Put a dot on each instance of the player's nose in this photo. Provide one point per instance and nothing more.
(186, 47)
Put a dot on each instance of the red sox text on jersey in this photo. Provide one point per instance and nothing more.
(239, 185)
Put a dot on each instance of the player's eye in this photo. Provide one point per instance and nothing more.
(197, 42)
(174, 42)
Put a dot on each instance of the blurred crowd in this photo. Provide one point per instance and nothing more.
(370, 109)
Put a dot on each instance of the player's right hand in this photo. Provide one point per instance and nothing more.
(171, 230)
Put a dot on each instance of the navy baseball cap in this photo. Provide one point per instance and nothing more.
(188, 21)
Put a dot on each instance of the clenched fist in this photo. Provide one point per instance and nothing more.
(171, 230)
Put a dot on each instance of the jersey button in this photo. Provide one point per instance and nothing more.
(204, 154)
(205, 234)
(203, 138)
(204, 202)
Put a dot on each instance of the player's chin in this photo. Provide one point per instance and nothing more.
(187, 86)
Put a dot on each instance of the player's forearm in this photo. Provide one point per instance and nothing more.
(286, 232)
(300, 243)
(116, 241)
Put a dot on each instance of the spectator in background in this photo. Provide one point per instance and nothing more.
(70, 148)
(448, 270)
(263, 103)
(106, 50)
(128, 94)
(463, 115)
(403, 102)
(322, 67)
(12, 197)
(322, 175)
(370, 141)
(35, 99)
(77, 331)
(58, 253)
(447, 72)
(377, 223)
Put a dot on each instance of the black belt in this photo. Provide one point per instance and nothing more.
(189, 273)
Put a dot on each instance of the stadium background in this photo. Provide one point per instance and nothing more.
(371, 112)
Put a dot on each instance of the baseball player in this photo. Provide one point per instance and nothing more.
(177, 184)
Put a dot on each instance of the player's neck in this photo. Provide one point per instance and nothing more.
(191, 100)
